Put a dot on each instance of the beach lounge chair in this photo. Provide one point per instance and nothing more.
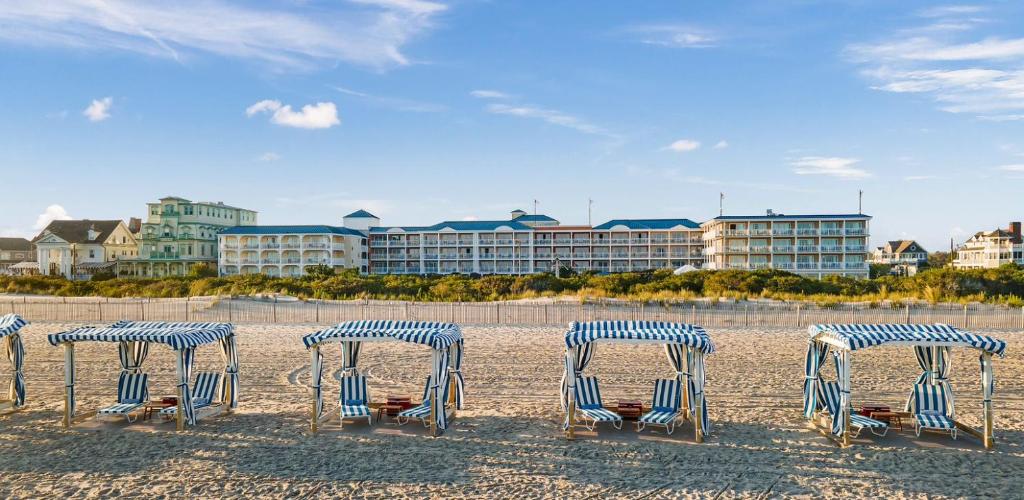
(930, 409)
(590, 407)
(355, 400)
(132, 393)
(422, 412)
(828, 395)
(664, 406)
(204, 393)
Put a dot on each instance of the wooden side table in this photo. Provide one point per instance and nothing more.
(894, 418)
(154, 407)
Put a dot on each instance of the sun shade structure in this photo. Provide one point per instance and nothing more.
(133, 339)
(10, 325)
(444, 340)
(932, 346)
(685, 346)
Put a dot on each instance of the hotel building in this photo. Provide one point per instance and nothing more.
(527, 244)
(991, 249)
(810, 245)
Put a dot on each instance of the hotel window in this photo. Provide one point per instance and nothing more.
(187, 209)
(154, 210)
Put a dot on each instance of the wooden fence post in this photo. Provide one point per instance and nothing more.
(907, 314)
(273, 309)
(186, 308)
(746, 314)
(798, 322)
(229, 309)
(317, 304)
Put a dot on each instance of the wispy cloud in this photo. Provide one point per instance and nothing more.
(52, 213)
(841, 168)
(489, 94)
(673, 35)
(99, 109)
(551, 116)
(395, 103)
(960, 71)
(269, 156)
(364, 32)
(1015, 168)
(683, 146)
(312, 116)
(722, 144)
(915, 178)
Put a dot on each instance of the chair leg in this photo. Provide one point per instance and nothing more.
(617, 424)
(670, 427)
(639, 426)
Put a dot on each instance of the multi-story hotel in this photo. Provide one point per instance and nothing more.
(991, 249)
(179, 234)
(812, 245)
(528, 244)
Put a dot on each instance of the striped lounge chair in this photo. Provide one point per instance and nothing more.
(355, 399)
(664, 406)
(589, 405)
(422, 412)
(204, 393)
(828, 394)
(132, 393)
(928, 404)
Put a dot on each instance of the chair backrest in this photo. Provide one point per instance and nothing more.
(828, 396)
(353, 390)
(667, 395)
(133, 388)
(929, 398)
(588, 394)
(206, 387)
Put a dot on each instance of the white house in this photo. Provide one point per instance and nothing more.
(77, 249)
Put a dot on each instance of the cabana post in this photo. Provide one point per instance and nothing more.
(10, 325)
(133, 339)
(685, 347)
(932, 346)
(445, 340)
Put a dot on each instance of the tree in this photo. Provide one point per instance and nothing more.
(202, 271)
(939, 259)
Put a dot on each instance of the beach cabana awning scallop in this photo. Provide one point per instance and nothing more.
(10, 324)
(660, 332)
(859, 336)
(437, 335)
(177, 338)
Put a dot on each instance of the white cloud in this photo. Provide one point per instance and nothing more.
(99, 109)
(52, 213)
(395, 103)
(1015, 168)
(948, 10)
(269, 156)
(489, 94)
(842, 168)
(722, 144)
(312, 116)
(365, 32)
(551, 116)
(683, 145)
(674, 36)
(914, 178)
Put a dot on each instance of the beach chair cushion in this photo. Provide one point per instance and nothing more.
(659, 416)
(588, 401)
(119, 409)
(858, 420)
(421, 411)
(354, 397)
(929, 398)
(665, 403)
(355, 411)
(204, 392)
(133, 388)
(601, 415)
(929, 420)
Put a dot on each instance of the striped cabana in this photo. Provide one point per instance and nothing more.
(133, 339)
(10, 325)
(685, 347)
(445, 340)
(932, 345)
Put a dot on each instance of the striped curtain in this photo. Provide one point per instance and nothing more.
(676, 357)
(935, 365)
(69, 377)
(817, 355)
(316, 371)
(842, 359)
(576, 360)
(132, 354)
(457, 351)
(350, 358)
(185, 358)
(229, 353)
(696, 360)
(16, 355)
(439, 382)
(988, 385)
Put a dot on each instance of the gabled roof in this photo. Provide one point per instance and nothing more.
(900, 246)
(649, 224)
(15, 244)
(302, 229)
(362, 213)
(534, 218)
(77, 231)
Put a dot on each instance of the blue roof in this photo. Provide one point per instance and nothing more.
(314, 229)
(649, 223)
(792, 217)
(362, 213)
(534, 218)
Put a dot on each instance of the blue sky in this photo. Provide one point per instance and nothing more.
(424, 110)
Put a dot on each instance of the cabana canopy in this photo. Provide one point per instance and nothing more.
(932, 345)
(685, 346)
(134, 337)
(445, 339)
(10, 325)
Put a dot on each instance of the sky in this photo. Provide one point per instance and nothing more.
(430, 110)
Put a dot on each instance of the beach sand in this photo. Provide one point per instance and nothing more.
(508, 440)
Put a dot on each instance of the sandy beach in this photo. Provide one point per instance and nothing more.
(507, 441)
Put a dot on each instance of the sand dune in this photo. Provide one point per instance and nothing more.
(507, 442)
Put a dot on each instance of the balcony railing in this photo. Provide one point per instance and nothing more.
(736, 249)
(290, 245)
(856, 265)
(271, 245)
(806, 249)
(831, 249)
(782, 265)
(316, 245)
(855, 248)
(831, 265)
(581, 241)
(251, 246)
(735, 232)
(619, 241)
(806, 265)
(379, 243)
(487, 242)
(292, 260)
(807, 232)
(449, 243)
(787, 249)
(856, 232)
(759, 249)
(760, 232)
(831, 231)
(782, 232)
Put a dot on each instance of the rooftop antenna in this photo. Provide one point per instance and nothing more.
(535, 207)
(860, 202)
(721, 204)
(590, 209)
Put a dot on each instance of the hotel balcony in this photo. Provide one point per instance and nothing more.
(270, 245)
(759, 249)
(735, 249)
(787, 249)
(760, 265)
(806, 265)
(831, 249)
(251, 246)
(505, 241)
(860, 248)
(292, 260)
(807, 249)
(856, 265)
(600, 255)
(316, 245)
(164, 255)
(856, 232)
(619, 241)
(782, 265)
(734, 232)
(487, 242)
(831, 265)
(620, 255)
(505, 255)
(782, 232)
(760, 232)
(290, 245)
(230, 246)
(449, 243)
(640, 241)
(831, 231)
(807, 232)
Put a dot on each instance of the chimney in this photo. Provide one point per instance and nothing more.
(1015, 231)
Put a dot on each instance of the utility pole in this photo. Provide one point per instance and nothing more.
(721, 204)
(590, 207)
(534, 207)
(860, 202)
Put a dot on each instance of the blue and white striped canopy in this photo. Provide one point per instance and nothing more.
(432, 333)
(860, 336)
(654, 331)
(10, 324)
(169, 324)
(177, 337)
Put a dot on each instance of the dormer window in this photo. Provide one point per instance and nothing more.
(93, 233)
